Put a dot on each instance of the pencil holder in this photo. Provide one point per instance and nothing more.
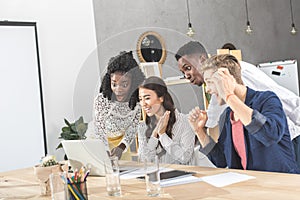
(78, 190)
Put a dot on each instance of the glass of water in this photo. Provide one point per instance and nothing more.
(152, 176)
(112, 171)
(58, 186)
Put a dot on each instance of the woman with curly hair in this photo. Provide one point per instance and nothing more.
(117, 112)
(166, 132)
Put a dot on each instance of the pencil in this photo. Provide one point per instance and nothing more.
(72, 191)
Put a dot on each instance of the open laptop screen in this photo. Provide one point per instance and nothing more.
(89, 153)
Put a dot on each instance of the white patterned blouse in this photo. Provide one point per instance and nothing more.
(113, 119)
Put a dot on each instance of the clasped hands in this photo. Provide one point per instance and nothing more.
(161, 125)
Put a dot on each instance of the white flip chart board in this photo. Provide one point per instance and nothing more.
(285, 73)
(22, 131)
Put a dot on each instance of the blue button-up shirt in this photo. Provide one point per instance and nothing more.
(267, 138)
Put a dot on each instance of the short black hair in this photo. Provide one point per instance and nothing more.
(229, 46)
(192, 47)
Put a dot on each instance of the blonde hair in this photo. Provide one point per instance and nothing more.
(224, 61)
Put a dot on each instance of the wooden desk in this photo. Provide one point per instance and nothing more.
(22, 184)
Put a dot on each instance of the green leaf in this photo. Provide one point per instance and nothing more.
(65, 129)
(81, 129)
(67, 122)
(65, 135)
(59, 146)
(73, 128)
(79, 121)
(73, 136)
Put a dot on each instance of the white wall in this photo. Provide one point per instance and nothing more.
(66, 33)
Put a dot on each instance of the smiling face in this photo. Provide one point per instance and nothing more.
(211, 85)
(120, 85)
(150, 102)
(190, 66)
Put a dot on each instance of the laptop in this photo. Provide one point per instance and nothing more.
(89, 153)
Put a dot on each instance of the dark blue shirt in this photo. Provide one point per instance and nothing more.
(267, 138)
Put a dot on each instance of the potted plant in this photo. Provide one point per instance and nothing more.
(73, 131)
(42, 171)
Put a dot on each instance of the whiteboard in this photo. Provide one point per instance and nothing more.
(285, 73)
(22, 131)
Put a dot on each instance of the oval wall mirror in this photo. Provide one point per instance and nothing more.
(151, 48)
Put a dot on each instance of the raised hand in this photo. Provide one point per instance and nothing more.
(197, 118)
(118, 150)
(224, 82)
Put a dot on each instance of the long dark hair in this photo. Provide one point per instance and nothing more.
(123, 63)
(159, 87)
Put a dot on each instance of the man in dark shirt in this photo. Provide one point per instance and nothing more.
(254, 134)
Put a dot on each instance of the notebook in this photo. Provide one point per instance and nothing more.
(89, 153)
(170, 174)
(174, 174)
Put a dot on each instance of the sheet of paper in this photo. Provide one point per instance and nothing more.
(179, 181)
(224, 179)
(132, 174)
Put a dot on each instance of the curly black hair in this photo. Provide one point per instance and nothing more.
(123, 63)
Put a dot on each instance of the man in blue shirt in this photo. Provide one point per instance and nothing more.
(254, 133)
(190, 58)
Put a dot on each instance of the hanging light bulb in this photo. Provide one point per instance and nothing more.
(248, 30)
(190, 32)
(293, 30)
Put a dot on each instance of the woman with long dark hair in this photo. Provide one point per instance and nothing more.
(165, 132)
(117, 112)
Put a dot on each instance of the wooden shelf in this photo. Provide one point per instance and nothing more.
(175, 82)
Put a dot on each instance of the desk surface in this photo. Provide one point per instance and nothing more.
(22, 184)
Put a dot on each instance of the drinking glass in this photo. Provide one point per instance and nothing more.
(58, 186)
(112, 171)
(152, 176)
